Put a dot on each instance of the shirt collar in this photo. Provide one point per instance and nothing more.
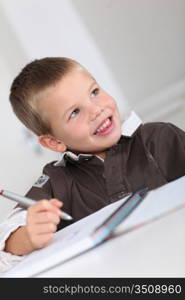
(129, 126)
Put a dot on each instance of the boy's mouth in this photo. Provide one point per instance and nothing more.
(105, 127)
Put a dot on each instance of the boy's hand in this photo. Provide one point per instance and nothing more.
(42, 220)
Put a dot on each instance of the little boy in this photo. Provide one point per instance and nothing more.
(65, 107)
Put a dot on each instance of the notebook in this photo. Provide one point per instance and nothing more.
(138, 208)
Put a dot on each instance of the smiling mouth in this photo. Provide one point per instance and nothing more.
(105, 127)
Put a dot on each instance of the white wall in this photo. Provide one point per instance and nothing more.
(54, 28)
(142, 42)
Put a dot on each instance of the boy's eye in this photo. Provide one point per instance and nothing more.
(74, 113)
(95, 92)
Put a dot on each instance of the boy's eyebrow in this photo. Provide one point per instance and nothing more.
(93, 83)
(74, 105)
(68, 109)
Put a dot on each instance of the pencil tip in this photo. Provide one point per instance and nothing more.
(65, 216)
(69, 218)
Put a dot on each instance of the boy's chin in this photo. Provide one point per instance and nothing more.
(115, 139)
(111, 143)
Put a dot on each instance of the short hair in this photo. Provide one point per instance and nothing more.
(35, 77)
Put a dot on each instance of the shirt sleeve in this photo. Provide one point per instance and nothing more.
(14, 220)
(41, 189)
(166, 143)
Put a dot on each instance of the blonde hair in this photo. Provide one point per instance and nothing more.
(34, 78)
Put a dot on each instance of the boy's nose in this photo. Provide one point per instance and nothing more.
(95, 112)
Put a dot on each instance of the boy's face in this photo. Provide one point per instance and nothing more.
(83, 117)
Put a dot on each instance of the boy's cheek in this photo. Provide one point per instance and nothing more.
(112, 104)
(78, 131)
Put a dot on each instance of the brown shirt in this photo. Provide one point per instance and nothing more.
(151, 157)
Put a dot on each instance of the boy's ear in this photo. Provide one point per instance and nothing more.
(52, 143)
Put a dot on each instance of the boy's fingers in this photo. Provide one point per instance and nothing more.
(45, 205)
(47, 217)
(41, 228)
(56, 202)
(42, 240)
(47, 228)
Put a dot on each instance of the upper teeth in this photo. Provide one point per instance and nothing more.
(104, 125)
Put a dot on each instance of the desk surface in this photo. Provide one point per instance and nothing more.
(154, 250)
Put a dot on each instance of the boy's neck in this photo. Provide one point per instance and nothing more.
(102, 154)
